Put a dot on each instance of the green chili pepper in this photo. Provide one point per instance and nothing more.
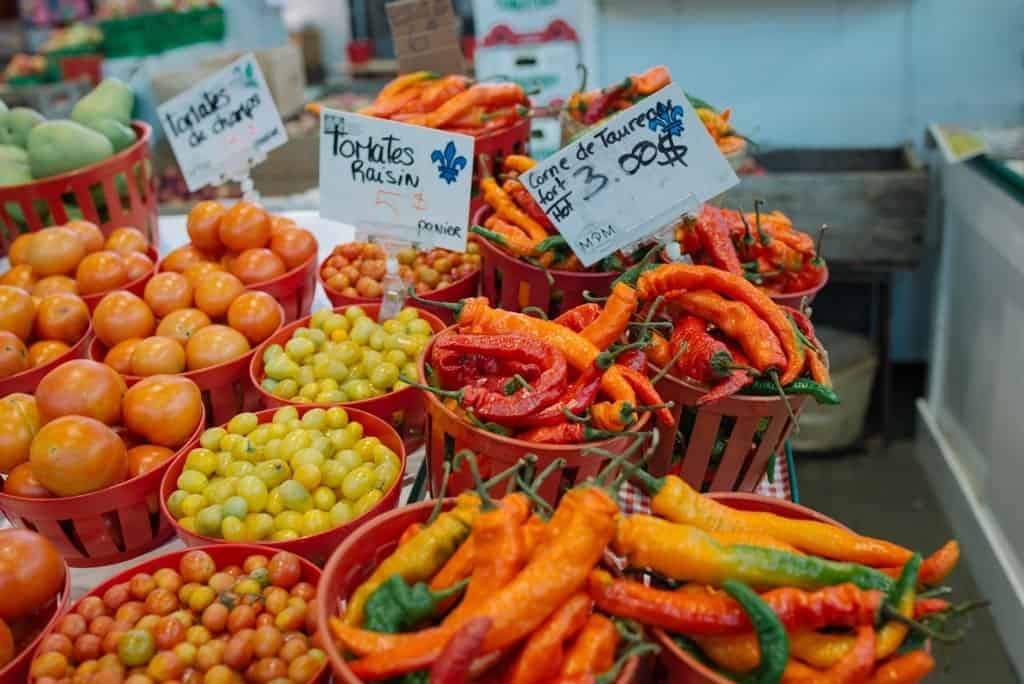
(556, 242)
(396, 607)
(820, 393)
(771, 567)
(771, 635)
(611, 264)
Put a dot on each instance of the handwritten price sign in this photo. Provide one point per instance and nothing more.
(631, 176)
(223, 125)
(392, 180)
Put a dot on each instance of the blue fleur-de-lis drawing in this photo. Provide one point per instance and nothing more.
(668, 117)
(449, 162)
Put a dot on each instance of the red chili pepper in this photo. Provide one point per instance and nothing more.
(815, 355)
(579, 317)
(635, 359)
(712, 228)
(452, 666)
(736, 381)
(646, 393)
(906, 669)
(577, 398)
(855, 667)
(703, 352)
(526, 202)
(597, 108)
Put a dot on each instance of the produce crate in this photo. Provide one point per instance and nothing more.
(17, 669)
(52, 100)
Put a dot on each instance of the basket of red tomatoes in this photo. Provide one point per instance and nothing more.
(83, 458)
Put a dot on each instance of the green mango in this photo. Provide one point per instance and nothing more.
(14, 174)
(5, 133)
(59, 146)
(119, 135)
(12, 155)
(111, 99)
(20, 121)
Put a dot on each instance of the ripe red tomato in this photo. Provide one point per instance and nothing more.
(31, 573)
(257, 265)
(165, 409)
(76, 455)
(294, 246)
(204, 225)
(81, 387)
(143, 458)
(21, 482)
(244, 226)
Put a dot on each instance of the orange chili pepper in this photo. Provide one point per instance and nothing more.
(935, 567)
(670, 277)
(614, 317)
(906, 669)
(652, 80)
(659, 351)
(506, 208)
(797, 671)
(594, 649)
(646, 393)
(436, 93)
(490, 95)
(519, 162)
(403, 82)
(541, 656)
(855, 667)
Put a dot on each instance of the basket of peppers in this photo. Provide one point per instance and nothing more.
(763, 248)
(497, 115)
(479, 588)
(571, 390)
(587, 108)
(526, 262)
(740, 368)
(739, 587)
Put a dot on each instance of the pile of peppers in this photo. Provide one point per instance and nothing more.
(510, 591)
(763, 248)
(520, 227)
(570, 380)
(452, 103)
(728, 334)
(589, 107)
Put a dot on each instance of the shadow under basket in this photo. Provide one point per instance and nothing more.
(354, 561)
(104, 527)
(725, 446)
(448, 434)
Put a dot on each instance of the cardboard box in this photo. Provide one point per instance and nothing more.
(551, 67)
(282, 67)
(290, 169)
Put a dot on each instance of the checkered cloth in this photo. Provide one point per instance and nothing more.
(635, 501)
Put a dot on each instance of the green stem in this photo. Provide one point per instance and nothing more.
(817, 243)
(454, 307)
(436, 510)
(515, 382)
(549, 243)
(458, 395)
(573, 418)
(762, 236)
(544, 509)
(530, 310)
(631, 652)
(671, 362)
(587, 297)
(774, 376)
(509, 472)
(617, 460)
(748, 237)
(487, 503)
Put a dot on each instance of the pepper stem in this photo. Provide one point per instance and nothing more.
(457, 395)
(890, 613)
(516, 382)
(631, 652)
(544, 509)
(629, 468)
(748, 237)
(631, 275)
(587, 297)
(483, 161)
(581, 69)
(487, 503)
(456, 588)
(762, 236)
(606, 359)
(671, 362)
(553, 242)
(454, 307)
(541, 313)
(618, 460)
(436, 510)
(628, 629)
(817, 243)
(573, 418)
(773, 375)
(509, 472)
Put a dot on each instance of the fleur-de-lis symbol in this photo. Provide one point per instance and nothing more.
(668, 117)
(449, 162)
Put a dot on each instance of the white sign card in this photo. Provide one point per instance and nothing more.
(223, 125)
(631, 176)
(407, 183)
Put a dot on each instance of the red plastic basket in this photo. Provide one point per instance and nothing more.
(315, 547)
(136, 287)
(355, 560)
(294, 290)
(795, 299)
(16, 671)
(743, 463)
(466, 286)
(514, 139)
(225, 388)
(132, 166)
(27, 380)
(447, 434)
(223, 555)
(403, 410)
(102, 527)
(682, 667)
(513, 284)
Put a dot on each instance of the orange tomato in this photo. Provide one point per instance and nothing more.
(81, 387)
(181, 325)
(121, 315)
(179, 259)
(63, 317)
(137, 264)
(204, 225)
(75, 455)
(294, 246)
(127, 240)
(244, 226)
(256, 315)
(21, 482)
(119, 357)
(21, 276)
(213, 345)
(257, 265)
(13, 355)
(31, 573)
(101, 272)
(17, 311)
(45, 351)
(55, 251)
(142, 459)
(215, 293)
(89, 233)
(167, 292)
(164, 409)
(196, 272)
(54, 284)
(279, 223)
(157, 355)
(6, 644)
(18, 253)
(227, 260)
(19, 423)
